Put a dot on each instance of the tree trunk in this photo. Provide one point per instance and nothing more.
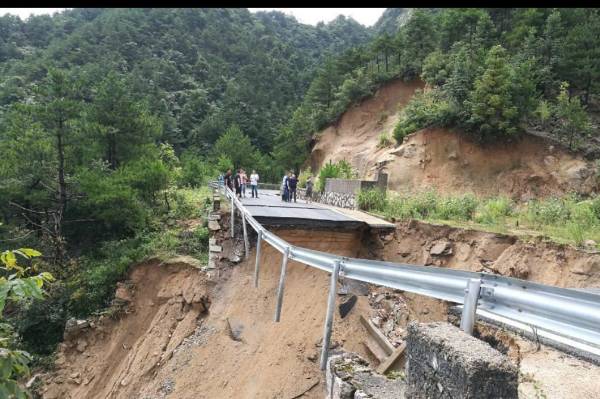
(62, 196)
(112, 151)
(386, 61)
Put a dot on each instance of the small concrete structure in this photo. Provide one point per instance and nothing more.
(342, 192)
(353, 186)
(444, 362)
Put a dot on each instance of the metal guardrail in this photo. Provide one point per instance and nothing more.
(566, 316)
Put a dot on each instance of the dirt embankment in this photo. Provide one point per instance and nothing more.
(186, 335)
(116, 358)
(447, 160)
(544, 262)
(233, 350)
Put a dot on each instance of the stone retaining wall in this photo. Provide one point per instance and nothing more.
(341, 200)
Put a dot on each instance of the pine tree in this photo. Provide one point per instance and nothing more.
(573, 120)
(491, 104)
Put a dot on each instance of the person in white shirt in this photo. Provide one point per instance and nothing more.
(254, 183)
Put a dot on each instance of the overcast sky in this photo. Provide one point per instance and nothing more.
(366, 16)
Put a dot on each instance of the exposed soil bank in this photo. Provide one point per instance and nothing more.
(188, 336)
(116, 358)
(446, 160)
(540, 261)
(235, 350)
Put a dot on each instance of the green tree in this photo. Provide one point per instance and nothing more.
(122, 123)
(16, 285)
(236, 146)
(574, 122)
(491, 104)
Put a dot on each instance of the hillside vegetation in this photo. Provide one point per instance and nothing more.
(107, 115)
(492, 72)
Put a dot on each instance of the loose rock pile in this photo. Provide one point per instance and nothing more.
(390, 313)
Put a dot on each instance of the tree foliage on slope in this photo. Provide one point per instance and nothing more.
(489, 68)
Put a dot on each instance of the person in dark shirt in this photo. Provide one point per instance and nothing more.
(237, 183)
(228, 179)
(309, 189)
(292, 183)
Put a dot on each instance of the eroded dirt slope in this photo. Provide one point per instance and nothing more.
(266, 359)
(544, 262)
(168, 346)
(447, 160)
(116, 358)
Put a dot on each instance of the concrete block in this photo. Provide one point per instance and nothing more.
(444, 362)
(213, 225)
(212, 241)
(215, 248)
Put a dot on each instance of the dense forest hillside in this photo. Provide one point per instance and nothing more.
(199, 70)
(107, 114)
(494, 73)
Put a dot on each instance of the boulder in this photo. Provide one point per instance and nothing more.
(213, 225)
(73, 327)
(441, 248)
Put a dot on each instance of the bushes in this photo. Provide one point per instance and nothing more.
(195, 171)
(303, 177)
(424, 109)
(384, 140)
(373, 199)
(455, 208)
(494, 210)
(339, 170)
(565, 218)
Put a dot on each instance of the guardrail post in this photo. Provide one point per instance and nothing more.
(467, 320)
(246, 243)
(257, 265)
(232, 216)
(329, 317)
(284, 262)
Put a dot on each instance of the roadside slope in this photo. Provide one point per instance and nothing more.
(447, 160)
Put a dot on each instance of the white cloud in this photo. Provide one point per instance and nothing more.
(24, 13)
(312, 16)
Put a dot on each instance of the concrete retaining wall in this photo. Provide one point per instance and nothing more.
(444, 362)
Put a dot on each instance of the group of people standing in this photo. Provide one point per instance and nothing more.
(289, 185)
(239, 181)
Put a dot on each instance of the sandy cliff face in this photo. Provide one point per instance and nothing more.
(447, 160)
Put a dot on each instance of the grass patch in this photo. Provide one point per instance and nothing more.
(567, 219)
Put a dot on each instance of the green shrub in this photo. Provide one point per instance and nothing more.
(546, 212)
(372, 199)
(339, 170)
(303, 176)
(583, 213)
(195, 171)
(576, 232)
(417, 206)
(384, 140)
(494, 210)
(424, 110)
(455, 208)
